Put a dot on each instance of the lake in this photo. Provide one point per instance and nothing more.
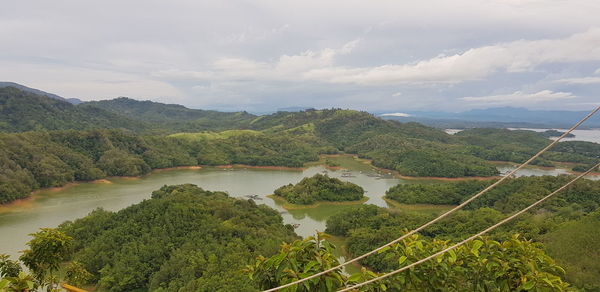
(590, 135)
(50, 208)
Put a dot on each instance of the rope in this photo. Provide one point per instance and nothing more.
(472, 237)
(442, 216)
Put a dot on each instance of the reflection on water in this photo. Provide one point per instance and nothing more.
(50, 208)
(592, 135)
(539, 171)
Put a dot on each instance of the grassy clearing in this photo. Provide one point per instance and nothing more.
(214, 135)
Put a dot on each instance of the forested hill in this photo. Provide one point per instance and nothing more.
(24, 111)
(38, 92)
(173, 116)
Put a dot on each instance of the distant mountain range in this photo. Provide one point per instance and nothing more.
(38, 92)
(23, 108)
(501, 117)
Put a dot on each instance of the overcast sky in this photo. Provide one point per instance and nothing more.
(264, 55)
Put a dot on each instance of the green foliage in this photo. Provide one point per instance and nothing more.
(298, 260)
(320, 188)
(450, 193)
(413, 157)
(479, 265)
(518, 146)
(183, 239)
(47, 250)
(22, 111)
(172, 117)
(22, 282)
(574, 244)
(47, 159)
(374, 218)
(76, 274)
(512, 195)
(8, 267)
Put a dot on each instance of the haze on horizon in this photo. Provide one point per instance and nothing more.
(264, 55)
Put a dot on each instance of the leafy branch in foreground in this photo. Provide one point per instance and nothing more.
(298, 260)
(480, 265)
(48, 251)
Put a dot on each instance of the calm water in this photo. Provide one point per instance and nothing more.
(592, 135)
(538, 171)
(49, 209)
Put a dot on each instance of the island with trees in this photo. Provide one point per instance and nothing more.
(320, 188)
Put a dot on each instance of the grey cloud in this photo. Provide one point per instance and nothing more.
(260, 55)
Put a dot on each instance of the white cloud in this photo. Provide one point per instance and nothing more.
(396, 115)
(582, 80)
(473, 64)
(519, 97)
(397, 94)
(268, 54)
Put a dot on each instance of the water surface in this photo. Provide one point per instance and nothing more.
(50, 208)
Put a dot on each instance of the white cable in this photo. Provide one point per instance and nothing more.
(442, 216)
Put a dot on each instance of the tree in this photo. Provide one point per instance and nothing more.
(298, 260)
(47, 250)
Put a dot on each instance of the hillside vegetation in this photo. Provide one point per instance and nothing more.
(173, 117)
(41, 158)
(566, 224)
(23, 111)
(35, 160)
(320, 188)
(182, 239)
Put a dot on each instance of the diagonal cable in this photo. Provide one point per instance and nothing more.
(442, 216)
(472, 237)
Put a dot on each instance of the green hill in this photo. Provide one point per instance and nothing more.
(173, 116)
(24, 111)
(182, 239)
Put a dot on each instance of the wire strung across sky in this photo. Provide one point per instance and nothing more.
(442, 216)
(472, 237)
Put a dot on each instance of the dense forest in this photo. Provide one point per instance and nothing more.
(34, 160)
(182, 239)
(320, 188)
(564, 224)
(145, 135)
(188, 239)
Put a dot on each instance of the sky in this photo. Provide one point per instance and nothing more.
(260, 56)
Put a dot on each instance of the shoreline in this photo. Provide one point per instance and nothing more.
(237, 166)
(289, 206)
(395, 173)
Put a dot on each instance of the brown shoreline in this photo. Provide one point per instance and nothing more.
(176, 168)
(287, 168)
(229, 166)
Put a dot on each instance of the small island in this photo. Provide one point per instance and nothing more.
(320, 188)
(555, 133)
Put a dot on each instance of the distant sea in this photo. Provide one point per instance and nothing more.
(592, 135)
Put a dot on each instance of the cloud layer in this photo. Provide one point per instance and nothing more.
(264, 55)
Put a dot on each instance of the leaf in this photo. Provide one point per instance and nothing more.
(384, 249)
(310, 265)
(354, 277)
(476, 246)
(528, 285)
(402, 259)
